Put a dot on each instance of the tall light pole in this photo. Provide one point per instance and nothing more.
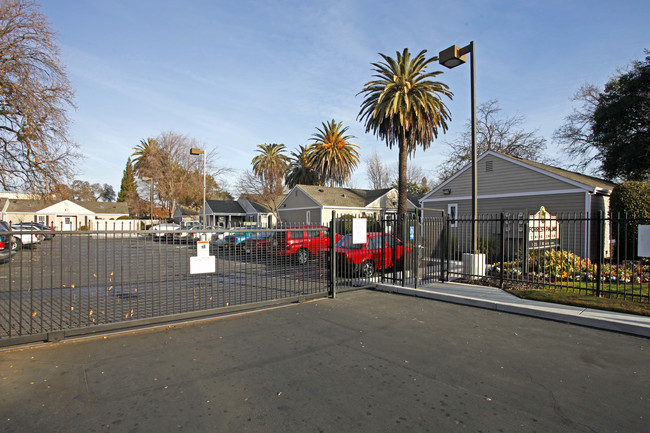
(450, 58)
(195, 151)
(150, 180)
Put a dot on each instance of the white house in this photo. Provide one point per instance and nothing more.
(63, 214)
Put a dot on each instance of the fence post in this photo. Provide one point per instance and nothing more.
(597, 222)
(383, 246)
(405, 225)
(332, 260)
(526, 246)
(416, 260)
(444, 266)
(503, 248)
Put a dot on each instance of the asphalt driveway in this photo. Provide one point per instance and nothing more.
(365, 361)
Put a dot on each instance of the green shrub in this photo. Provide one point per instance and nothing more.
(631, 199)
(83, 228)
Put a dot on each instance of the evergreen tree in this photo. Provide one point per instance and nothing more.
(128, 185)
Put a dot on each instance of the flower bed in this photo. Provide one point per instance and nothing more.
(566, 266)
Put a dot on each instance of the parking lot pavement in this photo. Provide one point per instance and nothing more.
(365, 361)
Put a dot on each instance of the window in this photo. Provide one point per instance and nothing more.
(374, 243)
(452, 211)
(299, 234)
(308, 217)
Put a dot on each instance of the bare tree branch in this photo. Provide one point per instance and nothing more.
(503, 135)
(34, 95)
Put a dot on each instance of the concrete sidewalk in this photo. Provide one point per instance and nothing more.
(496, 299)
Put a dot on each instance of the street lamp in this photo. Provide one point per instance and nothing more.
(195, 151)
(450, 58)
(150, 180)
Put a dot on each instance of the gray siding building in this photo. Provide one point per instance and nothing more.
(519, 188)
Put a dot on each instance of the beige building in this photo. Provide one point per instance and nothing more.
(312, 204)
(63, 214)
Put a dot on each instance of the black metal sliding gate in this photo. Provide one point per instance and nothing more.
(405, 252)
(82, 282)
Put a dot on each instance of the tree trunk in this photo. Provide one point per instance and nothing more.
(401, 180)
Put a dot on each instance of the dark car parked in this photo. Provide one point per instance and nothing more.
(8, 239)
(5, 247)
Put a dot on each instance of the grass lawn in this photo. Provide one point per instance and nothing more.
(582, 300)
(573, 293)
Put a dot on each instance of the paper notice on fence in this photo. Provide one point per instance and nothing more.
(202, 265)
(359, 230)
(203, 249)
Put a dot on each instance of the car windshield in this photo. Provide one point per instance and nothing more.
(346, 242)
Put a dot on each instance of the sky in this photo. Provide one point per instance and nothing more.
(236, 74)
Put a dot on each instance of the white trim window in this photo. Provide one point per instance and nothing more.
(308, 217)
(452, 211)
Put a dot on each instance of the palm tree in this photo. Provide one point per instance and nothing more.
(300, 169)
(331, 153)
(143, 156)
(404, 106)
(271, 165)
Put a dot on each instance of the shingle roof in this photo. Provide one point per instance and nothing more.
(225, 207)
(343, 197)
(261, 207)
(187, 211)
(27, 206)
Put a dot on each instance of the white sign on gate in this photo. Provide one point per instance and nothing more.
(359, 235)
(203, 263)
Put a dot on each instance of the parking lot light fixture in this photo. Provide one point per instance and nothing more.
(196, 151)
(450, 58)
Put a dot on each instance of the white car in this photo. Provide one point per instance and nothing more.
(24, 236)
(164, 230)
(188, 225)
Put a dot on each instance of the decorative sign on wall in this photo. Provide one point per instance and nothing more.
(542, 227)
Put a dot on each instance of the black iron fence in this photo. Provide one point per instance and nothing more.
(78, 282)
(596, 255)
(583, 254)
(376, 248)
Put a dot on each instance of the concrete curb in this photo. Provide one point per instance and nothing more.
(610, 321)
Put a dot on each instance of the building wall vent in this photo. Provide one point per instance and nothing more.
(489, 166)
